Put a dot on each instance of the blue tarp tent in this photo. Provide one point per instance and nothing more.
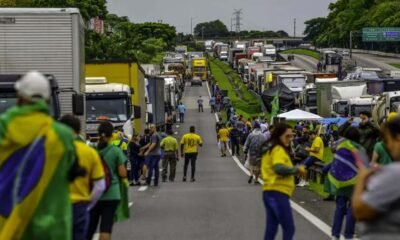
(339, 121)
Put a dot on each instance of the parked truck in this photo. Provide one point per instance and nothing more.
(108, 101)
(199, 68)
(48, 40)
(269, 50)
(232, 53)
(127, 72)
(223, 52)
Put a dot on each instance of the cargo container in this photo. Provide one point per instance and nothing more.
(49, 40)
(155, 101)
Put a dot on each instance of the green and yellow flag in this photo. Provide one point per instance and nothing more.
(275, 105)
(36, 155)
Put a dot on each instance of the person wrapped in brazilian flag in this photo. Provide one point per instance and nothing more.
(37, 163)
(342, 177)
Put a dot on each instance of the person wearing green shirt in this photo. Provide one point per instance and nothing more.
(380, 155)
(106, 207)
(170, 146)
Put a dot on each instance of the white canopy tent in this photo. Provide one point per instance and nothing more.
(297, 115)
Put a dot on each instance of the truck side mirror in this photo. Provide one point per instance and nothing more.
(137, 113)
(78, 106)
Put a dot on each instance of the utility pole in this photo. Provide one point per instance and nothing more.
(237, 18)
(294, 28)
(191, 26)
(202, 33)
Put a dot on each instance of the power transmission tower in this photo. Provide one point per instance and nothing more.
(294, 28)
(237, 17)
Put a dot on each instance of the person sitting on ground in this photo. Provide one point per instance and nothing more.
(316, 152)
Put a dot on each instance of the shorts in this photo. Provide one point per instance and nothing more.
(309, 161)
(103, 212)
(147, 160)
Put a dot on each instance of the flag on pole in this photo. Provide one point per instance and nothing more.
(275, 106)
(36, 156)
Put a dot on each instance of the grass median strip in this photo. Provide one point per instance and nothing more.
(305, 52)
(242, 99)
(397, 65)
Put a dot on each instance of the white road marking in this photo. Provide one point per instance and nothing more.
(325, 228)
(142, 188)
(96, 236)
(130, 204)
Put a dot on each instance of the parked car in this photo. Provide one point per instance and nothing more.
(196, 81)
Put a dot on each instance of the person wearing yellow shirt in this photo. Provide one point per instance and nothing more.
(84, 191)
(223, 138)
(278, 172)
(316, 152)
(170, 147)
(189, 150)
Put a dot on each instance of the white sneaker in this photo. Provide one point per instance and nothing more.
(302, 183)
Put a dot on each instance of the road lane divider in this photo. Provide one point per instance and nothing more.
(322, 226)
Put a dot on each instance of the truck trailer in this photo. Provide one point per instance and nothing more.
(49, 40)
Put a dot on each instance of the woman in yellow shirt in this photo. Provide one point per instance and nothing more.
(278, 173)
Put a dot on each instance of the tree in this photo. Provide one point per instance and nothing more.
(314, 28)
(211, 29)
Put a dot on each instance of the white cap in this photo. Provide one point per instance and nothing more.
(33, 86)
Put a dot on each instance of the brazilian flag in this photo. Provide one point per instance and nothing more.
(36, 155)
(275, 105)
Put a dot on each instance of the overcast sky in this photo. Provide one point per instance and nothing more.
(257, 14)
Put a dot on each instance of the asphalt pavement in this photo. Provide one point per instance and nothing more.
(302, 61)
(219, 205)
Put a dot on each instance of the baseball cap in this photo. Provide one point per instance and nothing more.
(33, 86)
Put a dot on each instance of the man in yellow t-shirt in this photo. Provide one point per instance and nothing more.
(189, 149)
(316, 152)
(223, 138)
(170, 146)
(86, 190)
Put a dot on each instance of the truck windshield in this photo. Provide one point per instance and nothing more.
(311, 98)
(294, 82)
(356, 109)
(6, 103)
(10, 101)
(199, 69)
(114, 109)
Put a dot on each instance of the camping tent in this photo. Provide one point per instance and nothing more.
(286, 97)
(298, 114)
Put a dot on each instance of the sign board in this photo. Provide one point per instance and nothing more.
(395, 73)
(381, 34)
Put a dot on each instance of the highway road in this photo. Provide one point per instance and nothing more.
(369, 60)
(305, 62)
(362, 60)
(219, 205)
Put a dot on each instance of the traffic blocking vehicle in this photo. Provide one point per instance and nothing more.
(54, 46)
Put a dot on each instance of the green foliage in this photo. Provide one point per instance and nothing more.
(121, 40)
(306, 52)
(353, 15)
(248, 104)
(211, 29)
(395, 65)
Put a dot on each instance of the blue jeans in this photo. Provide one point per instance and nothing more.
(80, 220)
(309, 161)
(153, 165)
(343, 209)
(136, 166)
(278, 212)
(181, 117)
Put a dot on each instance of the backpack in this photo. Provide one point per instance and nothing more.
(107, 171)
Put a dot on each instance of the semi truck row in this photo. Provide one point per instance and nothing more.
(51, 41)
(323, 92)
